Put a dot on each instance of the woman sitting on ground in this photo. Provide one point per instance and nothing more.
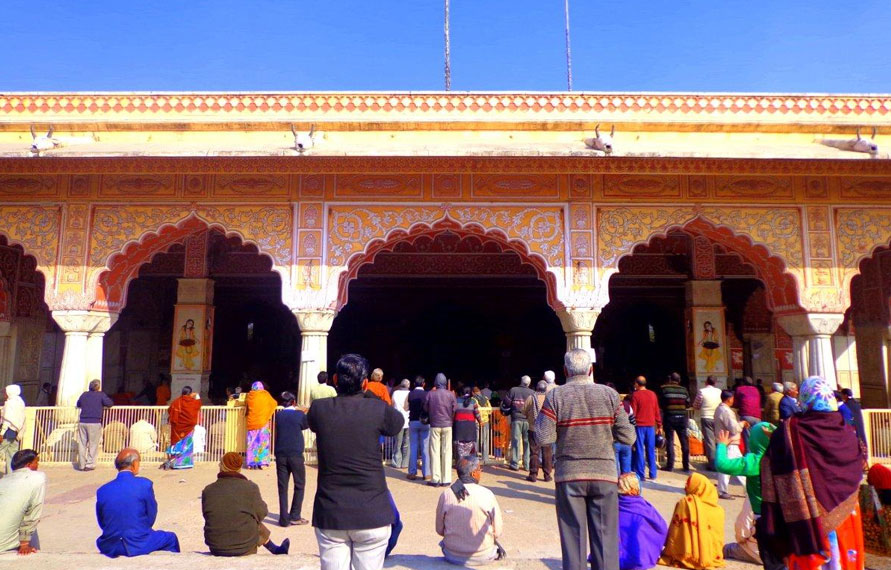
(642, 530)
(696, 535)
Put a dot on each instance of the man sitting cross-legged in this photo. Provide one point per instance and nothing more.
(126, 509)
(234, 512)
(468, 518)
(21, 502)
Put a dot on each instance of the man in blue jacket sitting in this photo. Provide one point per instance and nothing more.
(126, 510)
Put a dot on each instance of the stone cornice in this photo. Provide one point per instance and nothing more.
(475, 164)
(692, 107)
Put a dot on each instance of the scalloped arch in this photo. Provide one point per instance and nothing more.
(109, 286)
(781, 285)
(446, 224)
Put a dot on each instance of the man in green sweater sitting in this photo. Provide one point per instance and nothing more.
(749, 466)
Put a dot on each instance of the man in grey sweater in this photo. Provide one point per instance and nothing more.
(585, 419)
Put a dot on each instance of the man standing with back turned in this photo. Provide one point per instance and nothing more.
(585, 419)
(352, 513)
(89, 429)
(675, 401)
(645, 405)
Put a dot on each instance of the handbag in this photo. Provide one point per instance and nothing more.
(10, 435)
(425, 418)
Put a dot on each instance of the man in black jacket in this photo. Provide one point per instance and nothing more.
(289, 426)
(352, 514)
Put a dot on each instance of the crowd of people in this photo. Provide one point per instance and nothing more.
(806, 507)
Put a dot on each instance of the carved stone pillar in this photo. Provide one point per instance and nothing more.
(82, 355)
(314, 327)
(578, 324)
(707, 350)
(192, 347)
(812, 343)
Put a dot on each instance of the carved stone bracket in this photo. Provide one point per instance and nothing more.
(810, 324)
(314, 321)
(88, 322)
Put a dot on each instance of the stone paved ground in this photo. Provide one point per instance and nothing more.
(68, 529)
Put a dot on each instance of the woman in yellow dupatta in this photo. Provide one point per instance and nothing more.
(260, 407)
(696, 535)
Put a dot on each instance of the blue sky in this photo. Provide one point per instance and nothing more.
(311, 45)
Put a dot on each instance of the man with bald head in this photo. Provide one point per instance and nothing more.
(126, 510)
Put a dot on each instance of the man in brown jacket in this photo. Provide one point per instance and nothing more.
(233, 513)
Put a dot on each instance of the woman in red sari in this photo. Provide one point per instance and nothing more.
(184, 414)
(810, 478)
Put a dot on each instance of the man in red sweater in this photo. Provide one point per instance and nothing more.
(645, 404)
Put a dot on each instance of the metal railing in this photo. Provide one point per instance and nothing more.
(52, 432)
(877, 425)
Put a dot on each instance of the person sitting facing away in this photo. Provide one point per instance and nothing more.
(749, 466)
(126, 510)
(696, 534)
(642, 530)
(21, 502)
(875, 504)
(468, 518)
(233, 513)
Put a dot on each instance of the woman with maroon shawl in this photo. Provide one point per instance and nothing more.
(811, 476)
(184, 414)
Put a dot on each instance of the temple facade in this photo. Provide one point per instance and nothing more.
(220, 238)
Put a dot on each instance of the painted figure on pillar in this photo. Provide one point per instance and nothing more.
(711, 346)
(187, 349)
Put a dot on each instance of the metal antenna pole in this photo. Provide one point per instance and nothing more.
(448, 49)
(568, 49)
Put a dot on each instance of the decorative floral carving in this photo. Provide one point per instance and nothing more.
(267, 226)
(138, 185)
(859, 231)
(778, 230)
(36, 229)
(350, 229)
(703, 258)
(629, 185)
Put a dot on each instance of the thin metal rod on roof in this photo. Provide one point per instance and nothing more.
(568, 49)
(448, 50)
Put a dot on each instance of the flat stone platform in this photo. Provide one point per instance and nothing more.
(68, 529)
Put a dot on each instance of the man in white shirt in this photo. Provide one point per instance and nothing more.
(400, 402)
(12, 422)
(726, 420)
(144, 437)
(468, 519)
(707, 401)
(21, 503)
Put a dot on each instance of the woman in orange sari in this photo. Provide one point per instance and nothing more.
(696, 534)
(184, 414)
(260, 407)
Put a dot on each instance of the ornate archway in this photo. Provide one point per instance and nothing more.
(440, 227)
(777, 231)
(108, 286)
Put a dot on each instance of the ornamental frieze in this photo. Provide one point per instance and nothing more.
(36, 229)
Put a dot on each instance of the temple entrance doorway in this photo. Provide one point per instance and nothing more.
(664, 316)
(254, 336)
(459, 305)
